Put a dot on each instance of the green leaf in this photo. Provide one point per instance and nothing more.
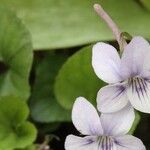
(44, 107)
(66, 23)
(46, 128)
(31, 147)
(146, 3)
(135, 123)
(15, 55)
(15, 131)
(77, 78)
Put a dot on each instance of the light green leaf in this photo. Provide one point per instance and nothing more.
(58, 24)
(15, 131)
(44, 107)
(66, 23)
(77, 78)
(15, 55)
(31, 147)
(135, 123)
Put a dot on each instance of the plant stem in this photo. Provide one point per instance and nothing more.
(44, 145)
(111, 24)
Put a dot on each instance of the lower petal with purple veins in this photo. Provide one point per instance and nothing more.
(128, 142)
(112, 98)
(106, 143)
(81, 143)
(138, 93)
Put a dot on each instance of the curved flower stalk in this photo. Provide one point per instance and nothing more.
(107, 132)
(128, 76)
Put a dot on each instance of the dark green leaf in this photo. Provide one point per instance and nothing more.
(77, 78)
(44, 107)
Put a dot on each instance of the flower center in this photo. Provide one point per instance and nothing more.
(105, 143)
(139, 85)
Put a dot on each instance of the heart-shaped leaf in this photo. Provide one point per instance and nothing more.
(15, 131)
(44, 106)
(77, 78)
(65, 23)
(15, 55)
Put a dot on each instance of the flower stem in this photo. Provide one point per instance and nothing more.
(111, 24)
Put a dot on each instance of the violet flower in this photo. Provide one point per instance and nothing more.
(106, 132)
(128, 77)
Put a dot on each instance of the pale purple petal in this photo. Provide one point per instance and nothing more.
(133, 57)
(129, 142)
(118, 123)
(85, 118)
(112, 98)
(78, 143)
(146, 66)
(138, 93)
(106, 62)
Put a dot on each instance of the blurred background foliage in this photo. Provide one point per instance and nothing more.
(65, 23)
(45, 62)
